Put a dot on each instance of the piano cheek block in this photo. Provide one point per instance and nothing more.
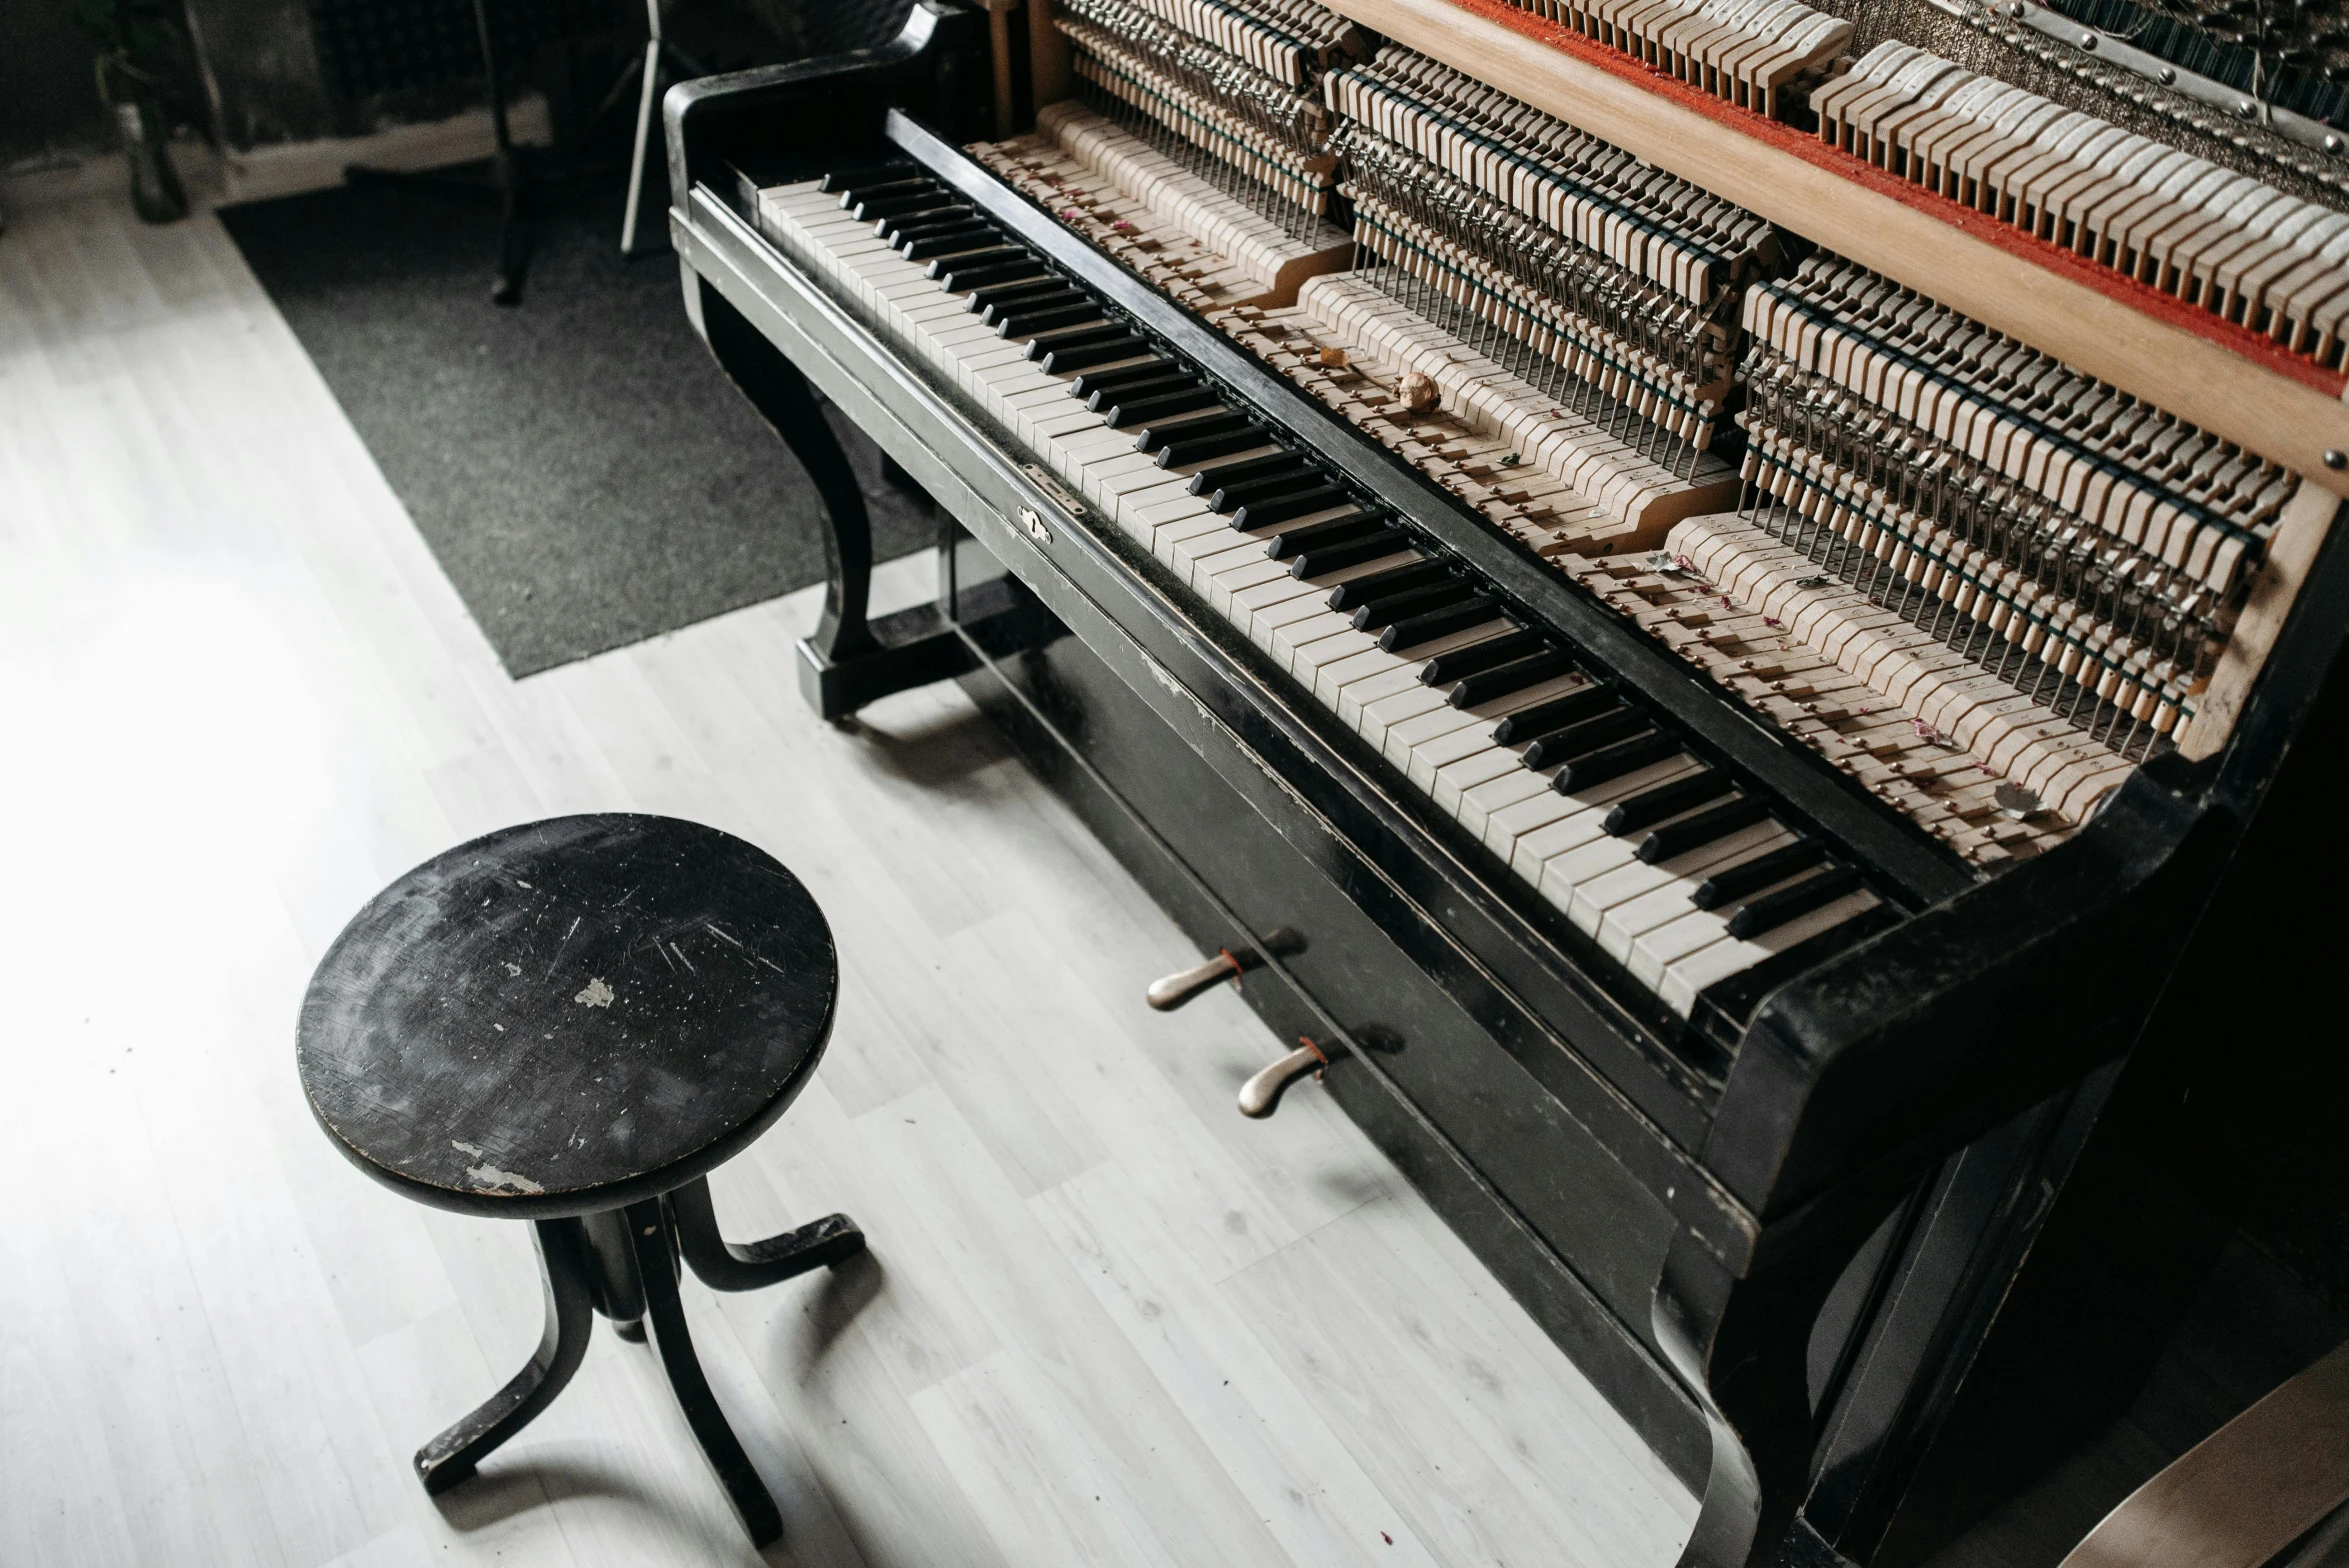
(1261, 1095)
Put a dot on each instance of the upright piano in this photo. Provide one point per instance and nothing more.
(1695, 597)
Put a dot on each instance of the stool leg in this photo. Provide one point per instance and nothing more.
(570, 1317)
(619, 1294)
(724, 1266)
(656, 1267)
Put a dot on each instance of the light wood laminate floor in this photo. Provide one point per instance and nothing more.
(1106, 1321)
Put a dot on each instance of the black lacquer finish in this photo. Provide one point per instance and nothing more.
(571, 1022)
(1678, 1207)
(566, 1275)
(557, 1018)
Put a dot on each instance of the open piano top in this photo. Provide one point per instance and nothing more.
(1977, 583)
(1751, 529)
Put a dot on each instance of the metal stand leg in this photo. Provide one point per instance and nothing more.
(656, 1266)
(513, 244)
(648, 100)
(508, 177)
(570, 1316)
(722, 1265)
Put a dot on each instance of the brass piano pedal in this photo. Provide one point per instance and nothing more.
(1172, 991)
(1260, 1096)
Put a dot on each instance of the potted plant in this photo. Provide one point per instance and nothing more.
(139, 48)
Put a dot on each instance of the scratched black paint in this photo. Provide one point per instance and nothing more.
(459, 1044)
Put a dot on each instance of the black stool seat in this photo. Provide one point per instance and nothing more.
(573, 1022)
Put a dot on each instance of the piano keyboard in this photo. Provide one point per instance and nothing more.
(1671, 865)
(1753, 53)
(2212, 237)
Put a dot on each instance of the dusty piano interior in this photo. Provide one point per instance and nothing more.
(1615, 525)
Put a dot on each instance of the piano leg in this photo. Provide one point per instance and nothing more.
(1741, 1345)
(850, 660)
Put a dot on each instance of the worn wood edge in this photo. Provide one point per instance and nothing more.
(2243, 1493)
(2184, 372)
(2291, 556)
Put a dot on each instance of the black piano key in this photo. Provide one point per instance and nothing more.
(1051, 294)
(896, 233)
(1651, 806)
(875, 206)
(1026, 322)
(1751, 876)
(1246, 470)
(1328, 558)
(1199, 438)
(1698, 829)
(993, 256)
(968, 274)
(1474, 691)
(997, 315)
(1380, 613)
(948, 215)
(870, 174)
(1195, 441)
(1335, 530)
(1390, 583)
(936, 248)
(1508, 648)
(1439, 623)
(882, 189)
(1163, 379)
(1280, 508)
(1233, 494)
(1555, 714)
(946, 209)
(1058, 356)
(1026, 288)
(1093, 381)
(1732, 1001)
(1141, 410)
(1612, 762)
(1569, 741)
(1772, 910)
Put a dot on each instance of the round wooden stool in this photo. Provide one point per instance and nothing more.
(573, 1022)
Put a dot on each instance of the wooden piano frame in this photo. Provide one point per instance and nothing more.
(1679, 1226)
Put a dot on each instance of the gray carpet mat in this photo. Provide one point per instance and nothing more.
(582, 469)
